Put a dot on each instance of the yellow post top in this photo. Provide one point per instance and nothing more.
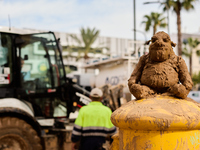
(158, 113)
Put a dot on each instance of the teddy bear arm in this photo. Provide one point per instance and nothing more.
(137, 72)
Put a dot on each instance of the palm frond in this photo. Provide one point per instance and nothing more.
(155, 20)
(167, 5)
(75, 38)
(198, 52)
(147, 22)
(88, 37)
(186, 53)
(192, 43)
(163, 25)
(187, 4)
(196, 78)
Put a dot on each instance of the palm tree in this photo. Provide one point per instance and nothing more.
(155, 20)
(177, 5)
(88, 37)
(196, 78)
(188, 52)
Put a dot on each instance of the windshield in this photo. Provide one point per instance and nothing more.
(41, 64)
(5, 60)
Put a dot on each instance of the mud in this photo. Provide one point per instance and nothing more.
(163, 113)
(160, 72)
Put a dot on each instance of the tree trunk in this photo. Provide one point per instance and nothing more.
(190, 61)
(178, 12)
(86, 57)
(154, 29)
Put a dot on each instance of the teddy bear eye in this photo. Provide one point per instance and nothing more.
(153, 40)
(165, 40)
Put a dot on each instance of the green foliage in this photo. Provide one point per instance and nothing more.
(154, 20)
(186, 52)
(88, 37)
(192, 43)
(84, 44)
(177, 4)
(196, 78)
(198, 52)
(147, 22)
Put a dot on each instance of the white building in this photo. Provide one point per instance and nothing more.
(101, 68)
(119, 65)
(123, 56)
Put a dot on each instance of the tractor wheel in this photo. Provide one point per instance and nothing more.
(16, 134)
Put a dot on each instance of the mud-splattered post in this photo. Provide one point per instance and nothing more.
(161, 117)
(158, 123)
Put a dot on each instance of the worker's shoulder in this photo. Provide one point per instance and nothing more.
(103, 107)
(83, 108)
(106, 108)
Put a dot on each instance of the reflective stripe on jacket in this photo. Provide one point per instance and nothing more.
(93, 120)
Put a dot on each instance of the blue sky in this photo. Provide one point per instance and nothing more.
(114, 18)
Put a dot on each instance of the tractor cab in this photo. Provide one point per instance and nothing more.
(31, 69)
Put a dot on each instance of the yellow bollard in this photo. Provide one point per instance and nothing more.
(160, 123)
(115, 143)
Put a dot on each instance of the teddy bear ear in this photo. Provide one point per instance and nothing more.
(147, 42)
(173, 44)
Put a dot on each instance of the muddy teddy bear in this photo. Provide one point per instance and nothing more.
(160, 71)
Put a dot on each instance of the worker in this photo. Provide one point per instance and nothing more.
(93, 125)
